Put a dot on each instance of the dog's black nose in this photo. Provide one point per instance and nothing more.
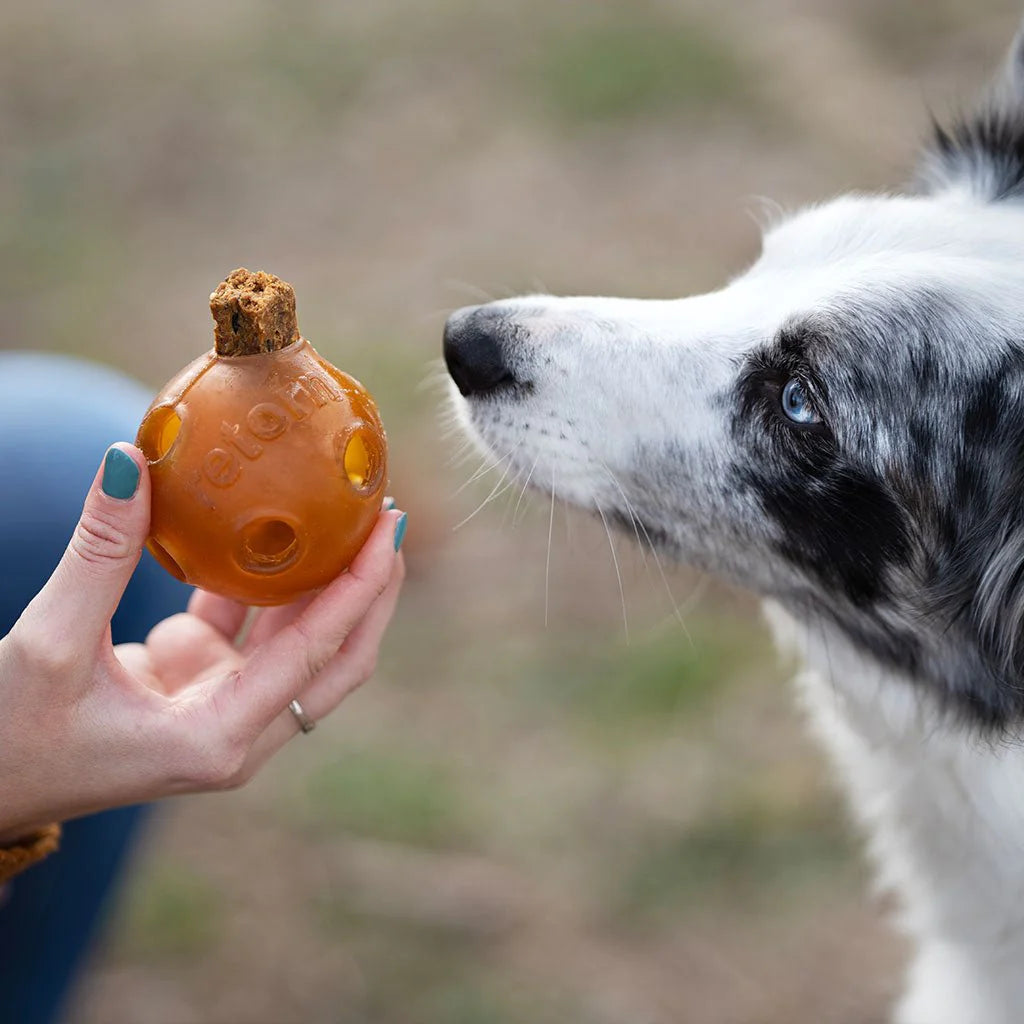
(473, 350)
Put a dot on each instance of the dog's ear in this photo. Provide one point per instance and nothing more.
(975, 604)
(982, 155)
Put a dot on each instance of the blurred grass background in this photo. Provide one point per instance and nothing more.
(513, 824)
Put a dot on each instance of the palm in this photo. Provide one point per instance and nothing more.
(183, 649)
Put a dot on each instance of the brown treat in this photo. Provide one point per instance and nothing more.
(254, 312)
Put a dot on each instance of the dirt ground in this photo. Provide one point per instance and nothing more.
(598, 820)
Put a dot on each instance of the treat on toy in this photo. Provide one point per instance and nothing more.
(267, 463)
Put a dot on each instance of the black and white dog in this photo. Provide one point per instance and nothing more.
(840, 429)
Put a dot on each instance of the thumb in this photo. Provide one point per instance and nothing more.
(81, 596)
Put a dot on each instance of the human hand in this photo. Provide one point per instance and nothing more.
(85, 725)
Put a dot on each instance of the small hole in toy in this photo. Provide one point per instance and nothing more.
(268, 545)
(158, 432)
(361, 460)
(163, 556)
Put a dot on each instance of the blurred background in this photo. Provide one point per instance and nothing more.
(599, 820)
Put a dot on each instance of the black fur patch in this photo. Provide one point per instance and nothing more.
(835, 519)
(988, 146)
(840, 526)
(917, 554)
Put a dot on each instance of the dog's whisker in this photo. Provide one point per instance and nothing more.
(472, 290)
(547, 562)
(435, 377)
(485, 467)
(510, 489)
(495, 491)
(529, 477)
(765, 212)
(629, 508)
(482, 469)
(451, 428)
(463, 454)
(694, 596)
(461, 444)
(638, 525)
(618, 574)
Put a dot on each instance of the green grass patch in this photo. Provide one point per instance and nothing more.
(474, 1001)
(433, 975)
(750, 856)
(654, 682)
(624, 68)
(383, 795)
(170, 913)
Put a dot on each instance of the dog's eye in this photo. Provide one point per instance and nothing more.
(797, 405)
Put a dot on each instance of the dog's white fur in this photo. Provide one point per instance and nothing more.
(946, 819)
(615, 383)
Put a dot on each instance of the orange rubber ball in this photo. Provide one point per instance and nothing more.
(267, 463)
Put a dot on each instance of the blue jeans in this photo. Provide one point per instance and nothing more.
(57, 417)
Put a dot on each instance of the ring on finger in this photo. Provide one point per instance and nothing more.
(306, 724)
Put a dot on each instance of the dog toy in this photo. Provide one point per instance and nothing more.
(267, 463)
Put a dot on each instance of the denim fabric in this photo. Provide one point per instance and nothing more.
(57, 417)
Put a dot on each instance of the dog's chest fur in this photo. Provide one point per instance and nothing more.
(946, 824)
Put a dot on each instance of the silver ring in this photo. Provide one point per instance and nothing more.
(306, 724)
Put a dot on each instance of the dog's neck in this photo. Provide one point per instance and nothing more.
(945, 813)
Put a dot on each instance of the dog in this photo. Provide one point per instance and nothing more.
(841, 430)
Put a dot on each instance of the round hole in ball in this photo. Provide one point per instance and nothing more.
(268, 545)
(164, 557)
(158, 432)
(360, 457)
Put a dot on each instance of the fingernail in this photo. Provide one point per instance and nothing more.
(389, 504)
(400, 530)
(120, 475)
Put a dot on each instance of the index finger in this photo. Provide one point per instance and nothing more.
(287, 663)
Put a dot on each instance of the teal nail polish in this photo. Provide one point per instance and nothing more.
(120, 475)
(400, 530)
(389, 504)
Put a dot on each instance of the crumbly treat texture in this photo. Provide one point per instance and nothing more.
(253, 312)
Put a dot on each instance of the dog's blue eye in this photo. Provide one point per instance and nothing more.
(796, 405)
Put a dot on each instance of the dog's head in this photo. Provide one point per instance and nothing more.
(841, 427)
